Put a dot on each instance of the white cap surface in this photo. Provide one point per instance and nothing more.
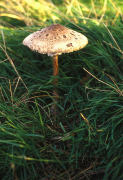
(55, 40)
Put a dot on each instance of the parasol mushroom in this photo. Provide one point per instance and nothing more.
(53, 41)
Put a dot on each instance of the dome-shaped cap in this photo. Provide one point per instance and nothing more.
(55, 40)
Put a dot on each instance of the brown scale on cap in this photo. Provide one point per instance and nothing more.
(55, 40)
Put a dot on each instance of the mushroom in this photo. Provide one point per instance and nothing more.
(55, 40)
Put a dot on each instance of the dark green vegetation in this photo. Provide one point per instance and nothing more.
(85, 141)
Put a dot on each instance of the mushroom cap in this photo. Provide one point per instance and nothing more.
(55, 40)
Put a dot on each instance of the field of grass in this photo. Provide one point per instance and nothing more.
(85, 141)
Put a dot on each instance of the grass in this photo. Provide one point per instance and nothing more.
(85, 141)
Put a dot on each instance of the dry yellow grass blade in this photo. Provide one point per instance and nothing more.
(120, 92)
(86, 121)
(11, 16)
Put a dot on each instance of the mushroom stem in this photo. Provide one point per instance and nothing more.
(55, 73)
